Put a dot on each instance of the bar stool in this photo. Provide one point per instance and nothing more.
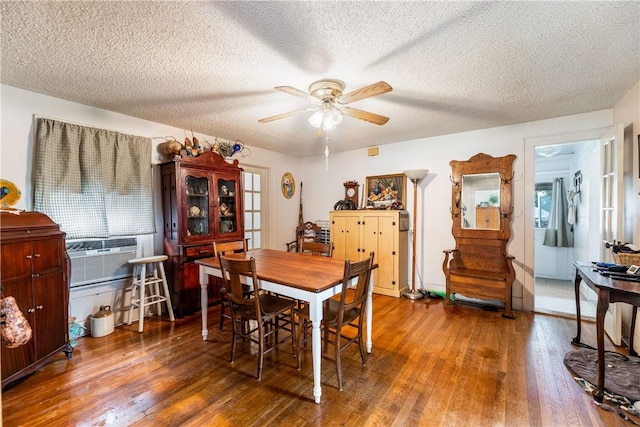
(141, 279)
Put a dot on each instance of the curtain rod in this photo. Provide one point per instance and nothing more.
(37, 116)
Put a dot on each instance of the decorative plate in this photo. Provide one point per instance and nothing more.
(288, 185)
(9, 193)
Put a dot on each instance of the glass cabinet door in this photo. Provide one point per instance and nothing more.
(197, 196)
(227, 209)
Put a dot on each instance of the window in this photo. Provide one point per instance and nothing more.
(95, 183)
(542, 204)
(253, 195)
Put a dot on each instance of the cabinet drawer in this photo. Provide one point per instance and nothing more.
(199, 251)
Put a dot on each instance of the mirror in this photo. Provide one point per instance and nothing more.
(481, 196)
(481, 201)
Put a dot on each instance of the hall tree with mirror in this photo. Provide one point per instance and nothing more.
(479, 266)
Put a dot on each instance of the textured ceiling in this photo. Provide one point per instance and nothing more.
(211, 67)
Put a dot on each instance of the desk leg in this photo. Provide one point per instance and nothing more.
(315, 313)
(632, 351)
(603, 306)
(369, 316)
(204, 301)
(577, 281)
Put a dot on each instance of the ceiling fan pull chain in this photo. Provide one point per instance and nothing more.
(326, 155)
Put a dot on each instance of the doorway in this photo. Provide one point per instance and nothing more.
(558, 174)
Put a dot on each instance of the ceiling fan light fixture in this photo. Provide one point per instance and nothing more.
(333, 104)
(317, 118)
(328, 117)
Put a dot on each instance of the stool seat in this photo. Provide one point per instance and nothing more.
(148, 272)
(149, 259)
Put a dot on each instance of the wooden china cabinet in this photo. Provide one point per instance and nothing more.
(202, 203)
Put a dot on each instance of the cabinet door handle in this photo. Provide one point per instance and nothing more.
(31, 310)
(37, 255)
(29, 257)
(39, 307)
(34, 275)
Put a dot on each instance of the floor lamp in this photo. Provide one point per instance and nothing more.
(415, 175)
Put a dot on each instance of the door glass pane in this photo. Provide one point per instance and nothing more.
(197, 205)
(252, 204)
(227, 218)
(257, 239)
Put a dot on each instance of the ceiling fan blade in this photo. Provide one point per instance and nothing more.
(376, 119)
(297, 92)
(284, 115)
(366, 92)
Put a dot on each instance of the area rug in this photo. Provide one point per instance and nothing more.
(622, 379)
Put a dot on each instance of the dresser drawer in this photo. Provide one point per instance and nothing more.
(198, 251)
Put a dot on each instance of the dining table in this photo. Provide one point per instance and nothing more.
(309, 278)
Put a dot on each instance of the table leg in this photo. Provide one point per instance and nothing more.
(204, 300)
(315, 313)
(603, 306)
(577, 281)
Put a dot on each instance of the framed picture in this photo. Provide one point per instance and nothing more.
(383, 190)
(288, 185)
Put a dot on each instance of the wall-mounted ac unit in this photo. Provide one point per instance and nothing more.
(99, 261)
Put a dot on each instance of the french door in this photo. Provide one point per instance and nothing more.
(611, 212)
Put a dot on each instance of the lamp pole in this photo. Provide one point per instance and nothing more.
(415, 175)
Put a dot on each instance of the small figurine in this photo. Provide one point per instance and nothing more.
(193, 149)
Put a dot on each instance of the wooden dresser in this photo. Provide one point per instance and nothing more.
(34, 270)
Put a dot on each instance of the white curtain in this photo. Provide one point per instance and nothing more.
(93, 182)
(559, 232)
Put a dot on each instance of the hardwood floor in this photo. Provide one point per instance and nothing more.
(431, 365)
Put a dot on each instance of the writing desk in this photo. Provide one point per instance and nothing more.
(609, 290)
(309, 278)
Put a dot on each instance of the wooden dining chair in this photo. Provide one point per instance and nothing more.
(269, 312)
(317, 248)
(225, 248)
(306, 232)
(347, 311)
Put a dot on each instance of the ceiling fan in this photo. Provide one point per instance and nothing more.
(332, 104)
